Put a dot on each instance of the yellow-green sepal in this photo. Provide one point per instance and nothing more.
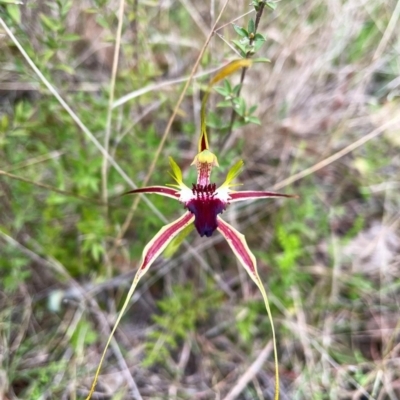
(235, 170)
(176, 174)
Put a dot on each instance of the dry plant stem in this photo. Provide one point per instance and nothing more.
(242, 76)
(157, 86)
(104, 167)
(251, 372)
(77, 120)
(36, 160)
(234, 20)
(334, 157)
(197, 18)
(51, 188)
(388, 32)
(168, 127)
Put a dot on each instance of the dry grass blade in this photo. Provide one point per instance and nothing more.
(51, 188)
(250, 373)
(111, 99)
(334, 157)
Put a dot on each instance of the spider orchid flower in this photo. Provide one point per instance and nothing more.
(204, 203)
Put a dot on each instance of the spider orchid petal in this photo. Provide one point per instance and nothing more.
(161, 190)
(253, 195)
(238, 244)
(150, 253)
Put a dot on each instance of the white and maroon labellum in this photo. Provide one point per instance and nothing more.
(205, 206)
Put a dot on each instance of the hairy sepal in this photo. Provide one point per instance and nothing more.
(254, 195)
(160, 190)
(239, 246)
(152, 250)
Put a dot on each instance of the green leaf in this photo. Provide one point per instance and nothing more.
(251, 26)
(241, 47)
(252, 109)
(66, 68)
(258, 43)
(261, 60)
(70, 37)
(254, 120)
(240, 106)
(256, 4)
(259, 36)
(225, 104)
(50, 23)
(227, 86)
(4, 123)
(236, 89)
(271, 5)
(222, 91)
(240, 31)
(14, 12)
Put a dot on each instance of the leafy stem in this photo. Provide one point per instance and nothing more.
(252, 34)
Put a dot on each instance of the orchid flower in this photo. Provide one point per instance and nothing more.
(204, 203)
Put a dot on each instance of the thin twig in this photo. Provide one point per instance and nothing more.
(251, 372)
(36, 160)
(334, 157)
(104, 167)
(51, 188)
(157, 86)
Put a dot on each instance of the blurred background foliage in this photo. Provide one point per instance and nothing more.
(330, 260)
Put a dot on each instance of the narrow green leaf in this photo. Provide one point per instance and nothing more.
(14, 12)
(66, 68)
(259, 36)
(240, 106)
(227, 86)
(252, 109)
(251, 26)
(258, 44)
(241, 47)
(222, 91)
(225, 104)
(254, 120)
(271, 5)
(261, 60)
(240, 31)
(50, 23)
